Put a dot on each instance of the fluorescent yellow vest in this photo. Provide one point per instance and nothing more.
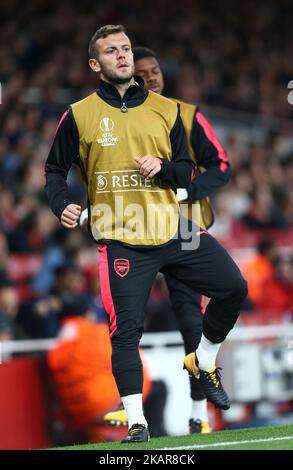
(199, 211)
(124, 205)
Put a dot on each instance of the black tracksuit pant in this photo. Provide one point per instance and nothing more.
(127, 275)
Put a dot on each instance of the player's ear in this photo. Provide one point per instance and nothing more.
(94, 65)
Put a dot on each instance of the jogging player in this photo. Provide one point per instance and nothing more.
(131, 148)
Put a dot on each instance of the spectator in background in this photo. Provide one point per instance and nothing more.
(93, 292)
(33, 234)
(276, 297)
(258, 270)
(9, 327)
(80, 364)
(40, 316)
(287, 205)
(4, 253)
(69, 281)
(263, 213)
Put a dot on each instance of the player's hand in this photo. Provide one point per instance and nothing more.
(70, 216)
(148, 165)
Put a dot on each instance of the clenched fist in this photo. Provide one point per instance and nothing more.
(70, 216)
(148, 165)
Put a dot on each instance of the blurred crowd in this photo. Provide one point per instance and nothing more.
(220, 53)
(229, 56)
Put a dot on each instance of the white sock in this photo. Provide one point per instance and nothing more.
(134, 410)
(206, 353)
(199, 410)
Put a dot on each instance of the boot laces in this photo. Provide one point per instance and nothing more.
(215, 376)
(135, 429)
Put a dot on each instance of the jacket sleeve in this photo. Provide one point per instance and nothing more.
(179, 172)
(211, 156)
(63, 154)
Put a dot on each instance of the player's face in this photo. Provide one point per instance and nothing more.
(149, 69)
(115, 58)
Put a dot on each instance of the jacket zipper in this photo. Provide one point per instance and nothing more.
(123, 108)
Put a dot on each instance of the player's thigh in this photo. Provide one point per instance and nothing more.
(126, 277)
(209, 269)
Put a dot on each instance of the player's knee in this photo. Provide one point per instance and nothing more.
(126, 340)
(188, 316)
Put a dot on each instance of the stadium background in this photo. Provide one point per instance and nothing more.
(235, 61)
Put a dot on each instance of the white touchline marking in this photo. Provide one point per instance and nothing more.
(228, 443)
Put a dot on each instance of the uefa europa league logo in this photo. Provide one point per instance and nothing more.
(106, 124)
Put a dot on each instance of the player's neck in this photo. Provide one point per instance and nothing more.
(122, 87)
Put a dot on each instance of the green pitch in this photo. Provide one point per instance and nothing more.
(269, 438)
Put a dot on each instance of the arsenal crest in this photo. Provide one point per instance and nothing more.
(121, 266)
